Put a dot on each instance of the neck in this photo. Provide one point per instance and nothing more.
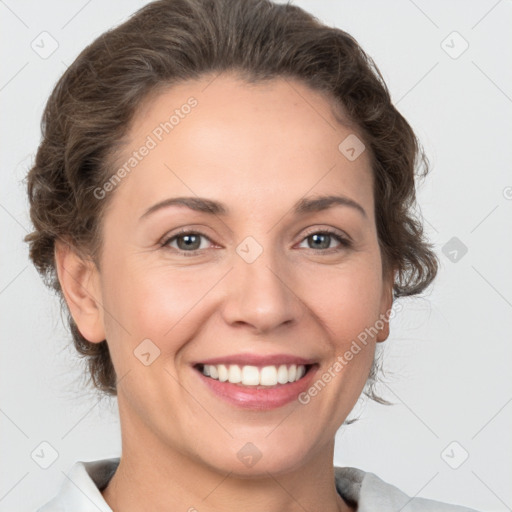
(160, 478)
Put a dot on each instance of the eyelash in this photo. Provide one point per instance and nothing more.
(344, 242)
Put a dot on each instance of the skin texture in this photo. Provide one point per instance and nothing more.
(258, 149)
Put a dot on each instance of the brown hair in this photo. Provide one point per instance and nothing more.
(170, 41)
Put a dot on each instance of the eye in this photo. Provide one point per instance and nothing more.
(189, 243)
(321, 240)
(186, 242)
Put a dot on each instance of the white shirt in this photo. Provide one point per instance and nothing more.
(80, 491)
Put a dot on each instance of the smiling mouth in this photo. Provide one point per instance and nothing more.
(255, 376)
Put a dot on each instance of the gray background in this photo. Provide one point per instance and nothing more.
(449, 353)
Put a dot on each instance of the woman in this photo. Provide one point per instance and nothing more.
(223, 196)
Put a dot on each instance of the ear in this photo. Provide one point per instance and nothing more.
(79, 280)
(385, 305)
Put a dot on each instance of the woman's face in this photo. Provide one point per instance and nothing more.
(259, 278)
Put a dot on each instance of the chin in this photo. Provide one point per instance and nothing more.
(253, 459)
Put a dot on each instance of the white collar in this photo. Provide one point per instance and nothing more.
(80, 491)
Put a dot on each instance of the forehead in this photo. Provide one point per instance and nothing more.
(223, 136)
(279, 103)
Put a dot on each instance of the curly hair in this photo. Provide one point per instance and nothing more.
(171, 41)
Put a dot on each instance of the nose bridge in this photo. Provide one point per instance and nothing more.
(259, 293)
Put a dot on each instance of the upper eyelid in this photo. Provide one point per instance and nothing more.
(333, 231)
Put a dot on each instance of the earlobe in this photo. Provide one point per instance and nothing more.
(386, 305)
(79, 281)
(384, 332)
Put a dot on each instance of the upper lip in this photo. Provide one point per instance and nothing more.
(257, 360)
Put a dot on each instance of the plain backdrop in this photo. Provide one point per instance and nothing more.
(448, 436)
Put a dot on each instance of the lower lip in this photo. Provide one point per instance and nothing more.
(259, 398)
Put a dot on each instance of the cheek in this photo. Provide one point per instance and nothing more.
(347, 299)
(159, 304)
(347, 302)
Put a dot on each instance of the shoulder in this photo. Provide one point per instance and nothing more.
(82, 487)
(369, 493)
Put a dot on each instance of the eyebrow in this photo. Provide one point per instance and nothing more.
(209, 206)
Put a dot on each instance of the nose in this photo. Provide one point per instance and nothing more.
(260, 294)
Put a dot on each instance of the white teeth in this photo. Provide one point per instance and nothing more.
(223, 372)
(235, 374)
(292, 373)
(254, 376)
(282, 374)
(250, 376)
(268, 376)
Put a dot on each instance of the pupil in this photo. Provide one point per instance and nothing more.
(326, 238)
(188, 241)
